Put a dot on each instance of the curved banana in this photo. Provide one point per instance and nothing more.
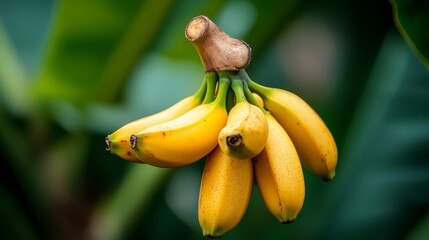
(246, 130)
(313, 140)
(279, 175)
(118, 141)
(186, 139)
(225, 190)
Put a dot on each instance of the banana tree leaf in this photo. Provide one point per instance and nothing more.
(13, 87)
(412, 18)
(381, 187)
(115, 216)
(94, 45)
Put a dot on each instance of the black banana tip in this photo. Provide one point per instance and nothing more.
(212, 236)
(235, 140)
(108, 144)
(288, 221)
(133, 141)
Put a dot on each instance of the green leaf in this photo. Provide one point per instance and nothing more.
(382, 177)
(116, 214)
(412, 18)
(94, 45)
(13, 87)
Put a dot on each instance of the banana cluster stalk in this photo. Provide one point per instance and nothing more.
(246, 133)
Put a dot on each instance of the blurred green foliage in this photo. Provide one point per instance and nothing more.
(73, 71)
(411, 17)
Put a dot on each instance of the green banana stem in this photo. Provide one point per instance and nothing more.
(237, 86)
(211, 78)
(201, 92)
(230, 98)
(224, 83)
(251, 99)
(261, 90)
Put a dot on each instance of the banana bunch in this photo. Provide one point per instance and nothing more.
(246, 133)
(264, 137)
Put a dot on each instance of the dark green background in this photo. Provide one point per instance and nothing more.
(72, 71)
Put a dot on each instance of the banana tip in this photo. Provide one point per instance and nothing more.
(330, 177)
(133, 141)
(212, 236)
(234, 141)
(108, 144)
(288, 221)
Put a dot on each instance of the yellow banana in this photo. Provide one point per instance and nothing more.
(186, 139)
(258, 99)
(118, 141)
(225, 191)
(313, 140)
(246, 130)
(279, 175)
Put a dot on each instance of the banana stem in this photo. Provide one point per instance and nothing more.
(224, 83)
(218, 51)
(261, 90)
(250, 86)
(237, 86)
(201, 92)
(211, 79)
(230, 99)
(251, 99)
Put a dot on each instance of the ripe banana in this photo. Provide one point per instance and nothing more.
(279, 175)
(225, 191)
(118, 141)
(246, 130)
(258, 99)
(186, 139)
(313, 140)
